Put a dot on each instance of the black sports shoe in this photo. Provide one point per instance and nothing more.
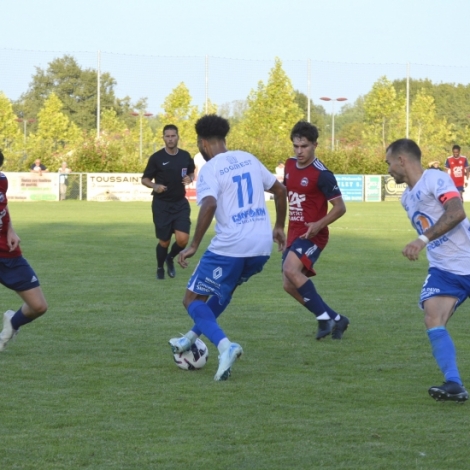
(324, 328)
(449, 391)
(160, 273)
(340, 327)
(170, 267)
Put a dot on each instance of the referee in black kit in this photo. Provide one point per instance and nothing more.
(171, 169)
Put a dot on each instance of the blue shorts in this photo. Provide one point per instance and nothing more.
(17, 274)
(220, 275)
(439, 283)
(307, 252)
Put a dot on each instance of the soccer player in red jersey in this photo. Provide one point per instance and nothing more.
(458, 169)
(16, 273)
(310, 187)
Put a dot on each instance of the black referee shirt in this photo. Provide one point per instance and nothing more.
(169, 170)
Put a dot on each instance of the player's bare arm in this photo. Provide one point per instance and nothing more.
(280, 201)
(158, 188)
(204, 220)
(337, 211)
(13, 240)
(453, 215)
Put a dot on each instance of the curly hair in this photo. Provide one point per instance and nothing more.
(212, 126)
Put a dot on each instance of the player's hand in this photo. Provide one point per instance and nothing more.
(312, 229)
(187, 180)
(13, 240)
(184, 255)
(160, 188)
(279, 237)
(411, 251)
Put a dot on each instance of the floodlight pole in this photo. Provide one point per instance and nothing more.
(326, 98)
(141, 114)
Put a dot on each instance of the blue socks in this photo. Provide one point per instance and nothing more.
(19, 319)
(315, 304)
(205, 321)
(217, 309)
(443, 350)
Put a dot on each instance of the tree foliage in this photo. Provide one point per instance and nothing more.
(270, 115)
(75, 87)
(380, 112)
(59, 109)
(179, 110)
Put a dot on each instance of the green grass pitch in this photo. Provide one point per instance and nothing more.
(92, 384)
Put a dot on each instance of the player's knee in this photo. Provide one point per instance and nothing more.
(40, 308)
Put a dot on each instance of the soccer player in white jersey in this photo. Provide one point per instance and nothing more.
(231, 187)
(435, 210)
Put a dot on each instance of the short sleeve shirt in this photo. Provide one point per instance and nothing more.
(308, 189)
(457, 169)
(169, 170)
(238, 180)
(424, 204)
(5, 221)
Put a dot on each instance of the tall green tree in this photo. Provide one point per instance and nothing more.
(11, 138)
(431, 133)
(272, 112)
(381, 110)
(55, 133)
(179, 110)
(318, 115)
(77, 90)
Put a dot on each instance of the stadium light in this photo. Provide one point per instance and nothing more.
(25, 122)
(326, 98)
(141, 114)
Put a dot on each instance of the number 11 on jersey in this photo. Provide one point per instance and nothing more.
(238, 181)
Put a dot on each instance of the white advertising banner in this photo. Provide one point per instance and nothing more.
(32, 186)
(117, 187)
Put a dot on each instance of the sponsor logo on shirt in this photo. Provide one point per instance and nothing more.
(250, 215)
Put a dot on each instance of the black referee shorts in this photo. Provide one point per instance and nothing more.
(170, 216)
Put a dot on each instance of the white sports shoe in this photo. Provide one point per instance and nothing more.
(226, 360)
(8, 332)
(179, 345)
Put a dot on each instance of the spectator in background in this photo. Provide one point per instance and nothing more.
(38, 167)
(64, 170)
(435, 165)
(457, 167)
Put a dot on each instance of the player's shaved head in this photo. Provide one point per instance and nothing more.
(404, 147)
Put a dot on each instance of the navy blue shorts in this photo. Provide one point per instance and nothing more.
(443, 283)
(220, 275)
(307, 252)
(17, 274)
